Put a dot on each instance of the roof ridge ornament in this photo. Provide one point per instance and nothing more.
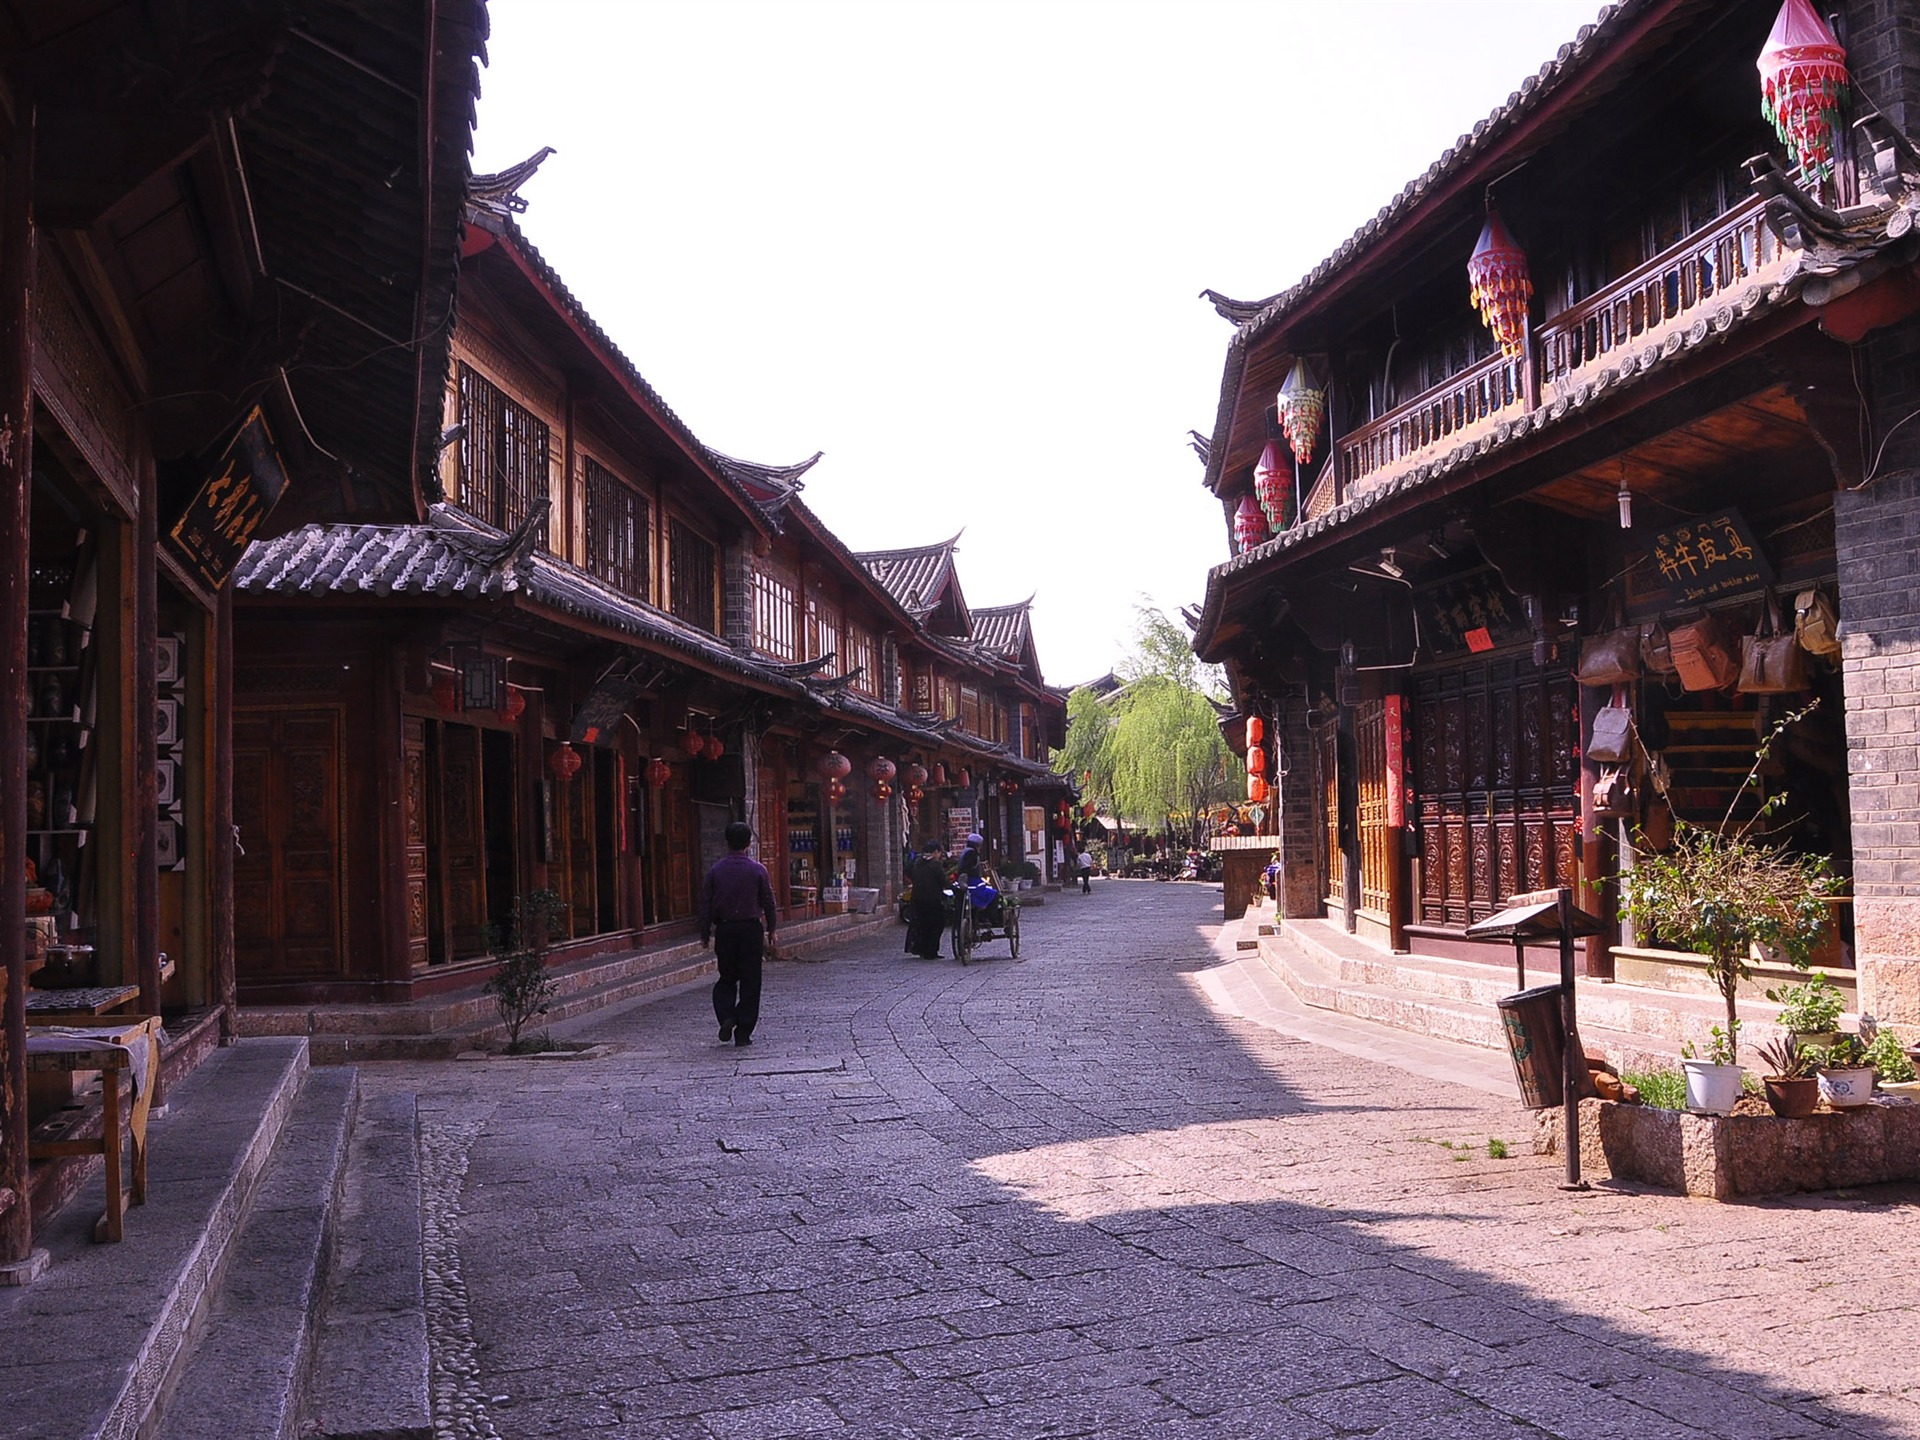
(500, 191)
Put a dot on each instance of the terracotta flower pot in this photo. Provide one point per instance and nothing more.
(1792, 1099)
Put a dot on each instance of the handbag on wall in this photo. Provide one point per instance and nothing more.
(1612, 793)
(1704, 656)
(1612, 739)
(1771, 662)
(1656, 650)
(1613, 656)
(1815, 625)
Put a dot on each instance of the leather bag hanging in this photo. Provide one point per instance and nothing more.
(1771, 662)
(1612, 739)
(1656, 651)
(1613, 656)
(1612, 792)
(1705, 656)
(1815, 625)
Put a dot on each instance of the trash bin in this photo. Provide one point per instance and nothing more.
(1536, 1039)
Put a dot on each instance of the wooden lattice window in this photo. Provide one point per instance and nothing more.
(775, 631)
(617, 529)
(823, 632)
(503, 453)
(973, 717)
(863, 655)
(690, 580)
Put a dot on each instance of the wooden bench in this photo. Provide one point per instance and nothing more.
(108, 1047)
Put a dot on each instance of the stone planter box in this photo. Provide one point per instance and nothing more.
(1726, 1157)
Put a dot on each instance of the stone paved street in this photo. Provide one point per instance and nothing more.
(1066, 1196)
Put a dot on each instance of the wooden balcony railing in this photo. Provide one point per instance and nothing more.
(1671, 287)
(1674, 288)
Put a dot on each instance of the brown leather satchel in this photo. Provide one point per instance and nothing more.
(1815, 624)
(1656, 651)
(1704, 654)
(1612, 792)
(1771, 662)
(1612, 739)
(1611, 657)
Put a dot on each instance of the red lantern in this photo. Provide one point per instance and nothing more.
(939, 774)
(446, 692)
(916, 794)
(564, 763)
(512, 705)
(1273, 484)
(1088, 809)
(1256, 730)
(1302, 407)
(836, 791)
(1256, 761)
(835, 766)
(916, 776)
(1249, 524)
(692, 741)
(1803, 84)
(657, 772)
(1257, 789)
(1501, 289)
(715, 747)
(882, 791)
(881, 768)
(966, 778)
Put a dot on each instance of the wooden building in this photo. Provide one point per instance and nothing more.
(206, 330)
(1682, 401)
(588, 644)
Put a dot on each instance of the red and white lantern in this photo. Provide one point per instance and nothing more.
(1249, 524)
(1302, 405)
(1803, 84)
(1501, 288)
(1273, 483)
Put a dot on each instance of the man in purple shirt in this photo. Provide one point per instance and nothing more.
(738, 894)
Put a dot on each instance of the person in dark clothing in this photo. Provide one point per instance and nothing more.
(929, 909)
(967, 871)
(738, 896)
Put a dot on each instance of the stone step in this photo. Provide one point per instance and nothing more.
(247, 1368)
(371, 1363)
(88, 1349)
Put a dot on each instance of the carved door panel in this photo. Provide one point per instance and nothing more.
(577, 827)
(461, 842)
(1494, 786)
(1326, 755)
(1379, 847)
(771, 822)
(680, 880)
(287, 884)
(413, 780)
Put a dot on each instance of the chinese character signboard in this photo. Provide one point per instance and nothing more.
(1700, 560)
(1469, 613)
(243, 486)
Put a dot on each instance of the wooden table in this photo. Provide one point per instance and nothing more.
(100, 1046)
(77, 1007)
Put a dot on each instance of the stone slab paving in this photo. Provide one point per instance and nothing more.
(1106, 1190)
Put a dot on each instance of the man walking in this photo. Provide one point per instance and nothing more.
(928, 911)
(1085, 866)
(738, 895)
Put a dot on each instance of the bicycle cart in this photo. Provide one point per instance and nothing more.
(981, 916)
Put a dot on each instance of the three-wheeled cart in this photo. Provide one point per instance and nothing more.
(982, 915)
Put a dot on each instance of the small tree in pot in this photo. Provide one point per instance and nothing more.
(1721, 891)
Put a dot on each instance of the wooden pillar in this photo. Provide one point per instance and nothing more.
(220, 838)
(144, 819)
(17, 240)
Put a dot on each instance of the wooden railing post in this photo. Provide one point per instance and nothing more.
(1529, 370)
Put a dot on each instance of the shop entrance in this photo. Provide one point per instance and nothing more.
(470, 830)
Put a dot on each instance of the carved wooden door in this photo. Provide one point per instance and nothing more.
(1326, 750)
(460, 840)
(287, 881)
(771, 826)
(1379, 850)
(413, 779)
(680, 877)
(1496, 785)
(577, 827)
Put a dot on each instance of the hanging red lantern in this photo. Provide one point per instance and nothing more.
(692, 741)
(916, 794)
(881, 768)
(1257, 789)
(882, 791)
(1803, 84)
(1256, 730)
(1303, 405)
(835, 766)
(446, 691)
(939, 774)
(966, 778)
(715, 747)
(1249, 524)
(512, 705)
(564, 763)
(836, 791)
(916, 776)
(658, 772)
(1256, 761)
(1273, 484)
(1501, 288)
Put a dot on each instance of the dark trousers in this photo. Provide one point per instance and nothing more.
(739, 946)
(928, 922)
(1086, 882)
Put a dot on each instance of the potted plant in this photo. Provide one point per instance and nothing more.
(1714, 1083)
(1810, 1012)
(1889, 1059)
(1722, 891)
(1792, 1089)
(1846, 1075)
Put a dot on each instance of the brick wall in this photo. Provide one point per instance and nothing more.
(1883, 52)
(1877, 546)
(736, 596)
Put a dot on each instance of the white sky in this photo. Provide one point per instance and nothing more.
(957, 244)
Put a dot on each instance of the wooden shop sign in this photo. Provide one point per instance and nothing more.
(246, 482)
(1696, 561)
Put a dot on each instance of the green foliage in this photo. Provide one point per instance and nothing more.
(1723, 1046)
(1847, 1053)
(1886, 1055)
(1496, 1149)
(1784, 1060)
(1662, 1089)
(1809, 1009)
(1086, 753)
(521, 987)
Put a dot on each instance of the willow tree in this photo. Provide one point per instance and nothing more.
(1086, 755)
(1168, 757)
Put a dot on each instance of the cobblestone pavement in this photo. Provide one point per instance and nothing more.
(1065, 1196)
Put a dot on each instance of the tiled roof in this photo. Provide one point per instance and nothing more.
(775, 479)
(1004, 629)
(913, 576)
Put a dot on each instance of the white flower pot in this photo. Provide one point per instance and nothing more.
(1712, 1088)
(1850, 1086)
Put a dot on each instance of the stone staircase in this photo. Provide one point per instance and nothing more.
(1635, 1025)
(441, 1027)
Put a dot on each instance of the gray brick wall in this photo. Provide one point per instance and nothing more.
(1883, 52)
(736, 595)
(1876, 540)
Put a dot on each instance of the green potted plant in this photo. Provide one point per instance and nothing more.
(1889, 1059)
(1791, 1087)
(1715, 1080)
(1810, 1012)
(1846, 1074)
(1721, 891)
